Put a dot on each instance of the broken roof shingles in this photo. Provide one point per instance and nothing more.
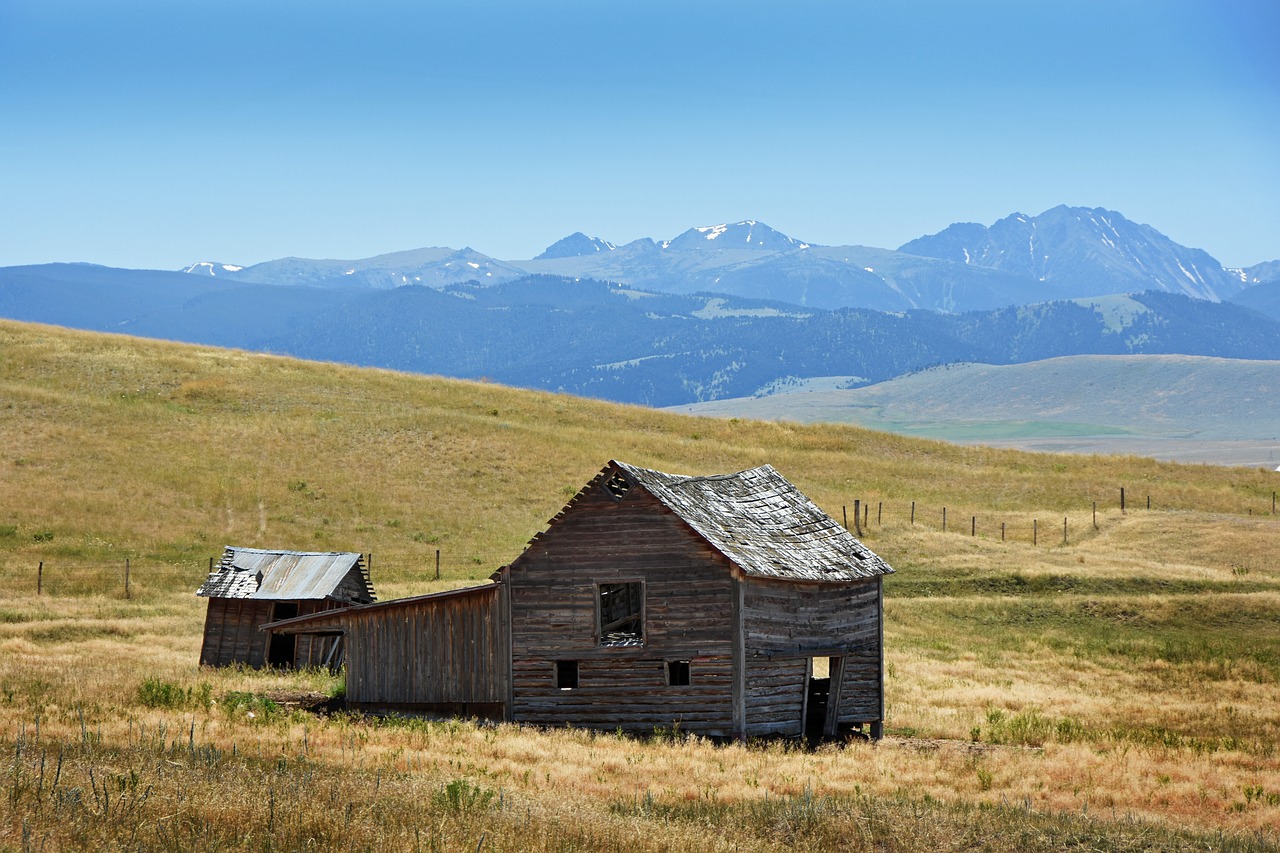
(280, 575)
(764, 524)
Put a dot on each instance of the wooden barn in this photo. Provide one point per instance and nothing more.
(251, 587)
(651, 600)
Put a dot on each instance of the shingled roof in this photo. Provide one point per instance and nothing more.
(763, 523)
(280, 575)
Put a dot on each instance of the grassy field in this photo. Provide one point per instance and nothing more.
(1119, 690)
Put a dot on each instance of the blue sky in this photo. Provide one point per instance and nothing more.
(155, 134)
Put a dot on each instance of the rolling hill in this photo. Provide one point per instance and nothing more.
(1191, 409)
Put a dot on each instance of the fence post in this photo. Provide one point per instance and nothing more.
(126, 578)
(1148, 501)
(1095, 515)
(40, 579)
(944, 519)
(844, 513)
(880, 509)
(973, 526)
(1064, 531)
(1002, 531)
(857, 517)
(913, 512)
(866, 514)
(437, 564)
(1035, 531)
(1122, 500)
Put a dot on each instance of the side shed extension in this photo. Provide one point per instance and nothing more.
(443, 653)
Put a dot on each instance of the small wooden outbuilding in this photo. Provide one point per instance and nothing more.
(251, 587)
(651, 600)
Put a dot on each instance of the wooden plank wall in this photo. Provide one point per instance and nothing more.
(775, 695)
(447, 651)
(232, 635)
(687, 616)
(314, 650)
(860, 696)
(788, 618)
(231, 632)
(805, 618)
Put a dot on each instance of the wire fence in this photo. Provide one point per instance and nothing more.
(131, 578)
(136, 578)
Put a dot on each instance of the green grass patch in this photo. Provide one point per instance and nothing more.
(156, 693)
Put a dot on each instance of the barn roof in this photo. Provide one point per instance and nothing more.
(334, 621)
(763, 523)
(278, 575)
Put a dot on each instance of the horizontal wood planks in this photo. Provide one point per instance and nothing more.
(630, 694)
(860, 694)
(687, 616)
(775, 695)
(805, 618)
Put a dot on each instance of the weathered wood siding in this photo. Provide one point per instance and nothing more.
(355, 587)
(775, 695)
(860, 694)
(232, 635)
(784, 619)
(688, 591)
(443, 653)
(231, 632)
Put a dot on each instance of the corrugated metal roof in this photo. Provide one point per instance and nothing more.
(278, 575)
(763, 523)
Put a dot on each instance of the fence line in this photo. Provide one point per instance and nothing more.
(56, 578)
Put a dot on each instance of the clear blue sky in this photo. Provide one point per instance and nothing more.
(155, 134)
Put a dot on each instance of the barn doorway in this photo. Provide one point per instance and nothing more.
(821, 716)
(282, 648)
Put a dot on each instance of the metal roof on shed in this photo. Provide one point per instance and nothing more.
(278, 575)
(763, 523)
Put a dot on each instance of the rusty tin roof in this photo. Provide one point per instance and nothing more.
(284, 575)
(763, 523)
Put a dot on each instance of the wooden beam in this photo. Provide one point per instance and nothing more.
(831, 723)
(739, 664)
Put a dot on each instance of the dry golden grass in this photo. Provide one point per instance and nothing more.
(1118, 691)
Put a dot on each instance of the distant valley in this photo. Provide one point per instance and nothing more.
(1180, 408)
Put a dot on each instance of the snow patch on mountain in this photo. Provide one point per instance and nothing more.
(210, 268)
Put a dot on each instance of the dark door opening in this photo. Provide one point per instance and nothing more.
(283, 647)
(822, 701)
(819, 690)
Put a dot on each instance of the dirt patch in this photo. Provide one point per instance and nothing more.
(313, 702)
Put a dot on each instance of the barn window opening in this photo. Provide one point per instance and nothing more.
(617, 486)
(567, 674)
(621, 608)
(678, 673)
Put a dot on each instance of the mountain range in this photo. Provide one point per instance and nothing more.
(1063, 253)
(722, 311)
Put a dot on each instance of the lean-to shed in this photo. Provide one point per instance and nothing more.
(251, 587)
(650, 600)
